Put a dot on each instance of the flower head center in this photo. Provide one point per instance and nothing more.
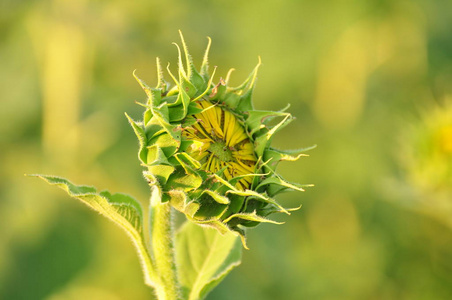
(220, 142)
(221, 151)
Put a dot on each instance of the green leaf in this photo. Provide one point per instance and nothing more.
(192, 74)
(251, 217)
(166, 142)
(204, 257)
(257, 119)
(186, 160)
(217, 197)
(259, 197)
(275, 185)
(122, 209)
(156, 156)
(265, 136)
(274, 156)
(161, 173)
(141, 135)
(205, 61)
(181, 180)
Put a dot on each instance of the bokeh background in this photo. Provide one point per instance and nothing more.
(369, 81)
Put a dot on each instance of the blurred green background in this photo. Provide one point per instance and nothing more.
(369, 81)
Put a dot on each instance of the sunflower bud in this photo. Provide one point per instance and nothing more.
(208, 150)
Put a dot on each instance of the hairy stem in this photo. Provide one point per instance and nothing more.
(162, 247)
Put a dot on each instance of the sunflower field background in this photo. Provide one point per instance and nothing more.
(370, 83)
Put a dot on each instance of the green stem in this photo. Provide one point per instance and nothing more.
(146, 261)
(162, 247)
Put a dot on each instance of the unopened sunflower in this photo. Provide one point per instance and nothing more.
(208, 150)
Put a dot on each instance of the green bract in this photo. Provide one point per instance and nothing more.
(207, 149)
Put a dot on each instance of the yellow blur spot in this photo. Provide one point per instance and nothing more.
(446, 139)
